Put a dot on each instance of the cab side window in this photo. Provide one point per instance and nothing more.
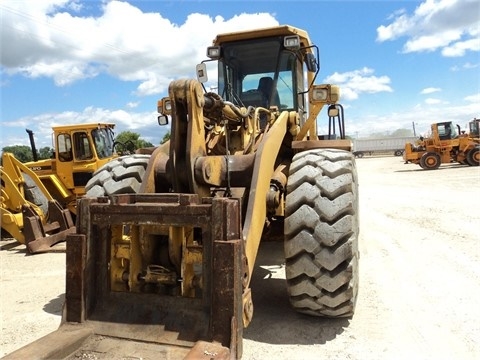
(82, 147)
(64, 147)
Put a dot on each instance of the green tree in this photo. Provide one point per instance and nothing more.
(165, 138)
(45, 153)
(131, 141)
(23, 153)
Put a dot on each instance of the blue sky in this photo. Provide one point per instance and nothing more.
(72, 61)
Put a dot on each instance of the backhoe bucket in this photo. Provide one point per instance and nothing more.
(41, 237)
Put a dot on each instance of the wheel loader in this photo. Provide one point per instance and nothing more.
(446, 144)
(164, 272)
(35, 194)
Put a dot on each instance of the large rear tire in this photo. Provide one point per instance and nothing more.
(321, 233)
(122, 175)
(473, 156)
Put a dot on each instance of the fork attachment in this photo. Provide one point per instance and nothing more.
(161, 268)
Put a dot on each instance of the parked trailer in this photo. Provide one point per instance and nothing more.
(370, 146)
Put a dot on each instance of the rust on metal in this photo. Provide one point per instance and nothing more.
(44, 244)
(75, 277)
(208, 351)
(41, 237)
(210, 321)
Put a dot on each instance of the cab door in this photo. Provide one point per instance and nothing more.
(64, 155)
(84, 160)
(75, 157)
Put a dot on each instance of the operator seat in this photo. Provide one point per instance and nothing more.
(265, 85)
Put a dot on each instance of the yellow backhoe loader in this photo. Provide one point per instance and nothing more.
(165, 272)
(35, 194)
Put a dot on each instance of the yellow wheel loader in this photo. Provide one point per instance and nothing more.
(165, 272)
(446, 144)
(35, 194)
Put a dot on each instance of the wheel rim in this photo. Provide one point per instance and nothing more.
(431, 161)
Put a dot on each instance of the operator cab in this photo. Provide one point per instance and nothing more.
(474, 128)
(447, 131)
(266, 72)
(260, 72)
(75, 144)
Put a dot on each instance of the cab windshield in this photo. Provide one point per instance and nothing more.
(103, 140)
(259, 73)
(447, 131)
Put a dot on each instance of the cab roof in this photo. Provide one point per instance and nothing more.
(283, 30)
(83, 126)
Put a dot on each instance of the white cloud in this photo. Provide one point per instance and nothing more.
(467, 66)
(475, 98)
(430, 90)
(432, 101)
(459, 48)
(51, 39)
(470, 65)
(132, 105)
(431, 42)
(449, 25)
(353, 83)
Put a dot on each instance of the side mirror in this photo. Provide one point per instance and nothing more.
(202, 73)
(311, 62)
(162, 120)
(332, 111)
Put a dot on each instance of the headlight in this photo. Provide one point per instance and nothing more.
(164, 106)
(291, 42)
(326, 93)
(214, 52)
(319, 94)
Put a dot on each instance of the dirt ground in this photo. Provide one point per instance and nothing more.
(419, 277)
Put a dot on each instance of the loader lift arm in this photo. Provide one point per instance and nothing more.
(29, 212)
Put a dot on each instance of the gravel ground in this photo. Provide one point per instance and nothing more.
(419, 277)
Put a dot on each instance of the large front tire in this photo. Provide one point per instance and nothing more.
(430, 161)
(122, 175)
(321, 233)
